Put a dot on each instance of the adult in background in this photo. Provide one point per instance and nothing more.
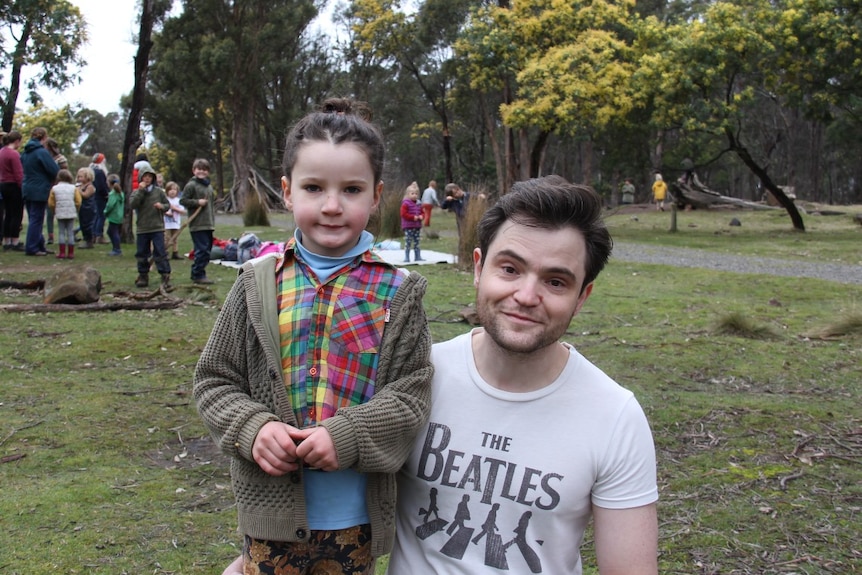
(100, 181)
(457, 201)
(628, 192)
(11, 179)
(429, 200)
(40, 173)
(527, 440)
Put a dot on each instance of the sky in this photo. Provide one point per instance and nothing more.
(109, 74)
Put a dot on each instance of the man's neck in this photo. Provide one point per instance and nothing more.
(517, 372)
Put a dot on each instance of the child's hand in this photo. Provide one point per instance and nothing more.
(202, 202)
(274, 449)
(158, 206)
(315, 447)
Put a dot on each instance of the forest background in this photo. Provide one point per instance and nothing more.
(756, 94)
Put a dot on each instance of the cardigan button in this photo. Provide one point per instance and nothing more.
(295, 477)
(273, 374)
(301, 533)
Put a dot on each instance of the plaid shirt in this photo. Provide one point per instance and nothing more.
(330, 333)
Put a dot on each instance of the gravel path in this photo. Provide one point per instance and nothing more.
(694, 258)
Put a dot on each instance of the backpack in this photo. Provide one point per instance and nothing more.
(248, 247)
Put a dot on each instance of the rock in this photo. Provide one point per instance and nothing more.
(735, 222)
(74, 285)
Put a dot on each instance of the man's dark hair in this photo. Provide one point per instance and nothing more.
(552, 203)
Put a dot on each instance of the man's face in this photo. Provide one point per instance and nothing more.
(529, 287)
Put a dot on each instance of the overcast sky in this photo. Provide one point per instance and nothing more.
(111, 26)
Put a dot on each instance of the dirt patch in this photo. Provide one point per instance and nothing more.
(189, 454)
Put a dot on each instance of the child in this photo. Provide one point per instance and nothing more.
(65, 200)
(114, 212)
(198, 199)
(411, 221)
(316, 374)
(87, 211)
(659, 191)
(172, 219)
(151, 203)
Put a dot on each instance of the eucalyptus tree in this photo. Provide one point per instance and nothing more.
(228, 77)
(45, 34)
(559, 68)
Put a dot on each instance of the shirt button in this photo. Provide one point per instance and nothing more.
(313, 371)
(300, 533)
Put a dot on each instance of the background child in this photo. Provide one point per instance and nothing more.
(411, 221)
(64, 200)
(87, 211)
(173, 219)
(198, 200)
(659, 191)
(114, 212)
(151, 203)
(316, 374)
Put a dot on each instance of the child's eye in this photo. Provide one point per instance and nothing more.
(353, 190)
(312, 188)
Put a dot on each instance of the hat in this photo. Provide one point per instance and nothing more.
(98, 158)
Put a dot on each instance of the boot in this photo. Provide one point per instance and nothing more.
(407, 255)
(166, 281)
(418, 255)
(88, 245)
(101, 240)
(71, 255)
(50, 239)
(62, 254)
(143, 280)
(175, 256)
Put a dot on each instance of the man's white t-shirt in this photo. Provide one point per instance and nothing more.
(502, 481)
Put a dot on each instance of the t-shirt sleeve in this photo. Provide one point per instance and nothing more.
(627, 476)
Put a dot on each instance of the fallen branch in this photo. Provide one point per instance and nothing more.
(17, 429)
(97, 306)
(11, 458)
(782, 483)
(30, 285)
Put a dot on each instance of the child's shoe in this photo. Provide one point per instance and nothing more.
(71, 255)
(166, 282)
(62, 254)
(175, 256)
(115, 253)
(143, 280)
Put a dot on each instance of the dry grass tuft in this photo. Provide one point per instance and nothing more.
(845, 326)
(743, 326)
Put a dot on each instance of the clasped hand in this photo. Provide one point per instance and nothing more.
(280, 448)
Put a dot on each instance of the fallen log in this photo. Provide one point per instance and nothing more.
(30, 285)
(97, 306)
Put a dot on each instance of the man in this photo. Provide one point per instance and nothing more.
(527, 439)
(40, 172)
(429, 200)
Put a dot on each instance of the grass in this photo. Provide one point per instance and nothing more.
(107, 469)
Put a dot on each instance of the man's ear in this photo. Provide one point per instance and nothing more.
(582, 299)
(285, 192)
(477, 266)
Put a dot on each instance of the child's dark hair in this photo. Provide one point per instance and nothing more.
(65, 176)
(201, 164)
(338, 121)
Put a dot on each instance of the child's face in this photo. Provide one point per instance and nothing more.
(413, 195)
(81, 178)
(332, 194)
(172, 192)
(146, 180)
(201, 173)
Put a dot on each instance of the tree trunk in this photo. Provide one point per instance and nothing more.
(132, 139)
(490, 127)
(760, 172)
(15, 77)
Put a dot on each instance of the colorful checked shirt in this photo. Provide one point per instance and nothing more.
(330, 333)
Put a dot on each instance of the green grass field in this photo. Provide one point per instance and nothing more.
(106, 467)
